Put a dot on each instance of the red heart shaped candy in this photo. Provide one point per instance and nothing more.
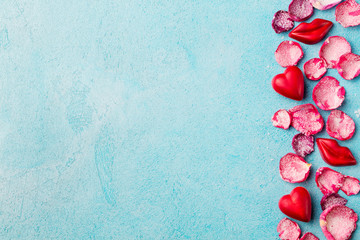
(290, 84)
(297, 204)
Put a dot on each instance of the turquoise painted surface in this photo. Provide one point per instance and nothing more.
(147, 120)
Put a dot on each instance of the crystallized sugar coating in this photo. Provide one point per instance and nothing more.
(302, 144)
(338, 222)
(282, 22)
(300, 10)
(288, 53)
(348, 13)
(332, 199)
(293, 168)
(325, 4)
(288, 230)
(332, 49)
(281, 119)
(350, 186)
(306, 119)
(309, 236)
(315, 68)
(328, 94)
(349, 66)
(328, 180)
(340, 126)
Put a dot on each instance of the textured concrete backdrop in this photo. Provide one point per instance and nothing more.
(147, 120)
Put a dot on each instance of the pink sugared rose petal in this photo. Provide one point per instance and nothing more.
(340, 126)
(294, 169)
(303, 145)
(332, 49)
(309, 236)
(288, 53)
(348, 13)
(282, 22)
(281, 119)
(288, 230)
(325, 4)
(300, 10)
(306, 119)
(350, 186)
(349, 66)
(328, 94)
(338, 222)
(315, 68)
(328, 180)
(332, 199)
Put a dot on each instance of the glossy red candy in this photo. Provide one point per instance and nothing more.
(290, 84)
(297, 204)
(311, 33)
(334, 154)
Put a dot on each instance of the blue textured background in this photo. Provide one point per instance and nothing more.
(147, 120)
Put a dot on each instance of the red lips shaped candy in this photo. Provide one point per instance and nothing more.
(311, 33)
(334, 154)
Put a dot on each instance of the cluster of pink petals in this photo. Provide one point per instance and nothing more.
(337, 221)
(298, 10)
